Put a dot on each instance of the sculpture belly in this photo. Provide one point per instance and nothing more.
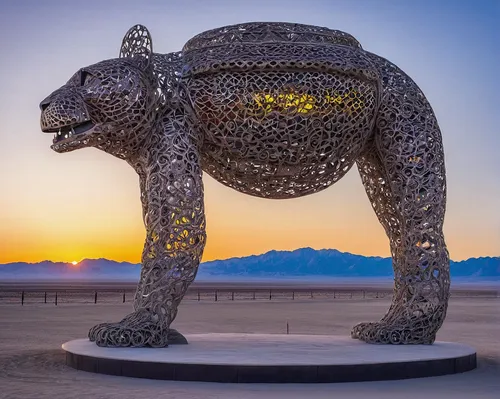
(278, 134)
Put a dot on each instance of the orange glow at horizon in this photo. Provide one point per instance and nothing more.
(110, 225)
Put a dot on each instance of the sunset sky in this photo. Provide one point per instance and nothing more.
(85, 204)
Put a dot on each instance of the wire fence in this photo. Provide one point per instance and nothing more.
(116, 296)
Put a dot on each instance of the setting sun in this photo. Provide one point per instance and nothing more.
(74, 263)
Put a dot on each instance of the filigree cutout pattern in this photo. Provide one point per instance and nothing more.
(274, 110)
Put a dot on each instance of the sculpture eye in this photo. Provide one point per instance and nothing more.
(84, 77)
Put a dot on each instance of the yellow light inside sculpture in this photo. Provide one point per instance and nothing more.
(152, 253)
(302, 103)
(182, 220)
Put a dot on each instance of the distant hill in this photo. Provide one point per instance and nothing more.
(85, 269)
(301, 262)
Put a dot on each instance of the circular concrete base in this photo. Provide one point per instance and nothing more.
(273, 358)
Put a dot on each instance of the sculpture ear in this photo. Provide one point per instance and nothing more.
(137, 43)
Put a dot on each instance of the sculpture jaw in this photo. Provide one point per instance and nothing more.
(71, 136)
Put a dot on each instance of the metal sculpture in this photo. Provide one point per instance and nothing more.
(274, 110)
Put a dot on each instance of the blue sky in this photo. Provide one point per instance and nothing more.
(450, 48)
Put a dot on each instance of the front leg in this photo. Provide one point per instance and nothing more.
(404, 175)
(175, 227)
(144, 203)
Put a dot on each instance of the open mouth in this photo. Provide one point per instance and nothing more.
(70, 131)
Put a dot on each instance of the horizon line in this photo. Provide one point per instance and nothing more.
(247, 256)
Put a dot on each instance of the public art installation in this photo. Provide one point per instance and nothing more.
(274, 110)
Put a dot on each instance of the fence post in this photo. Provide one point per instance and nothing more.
(311, 295)
(351, 294)
(254, 295)
(123, 296)
(334, 294)
(232, 296)
(45, 300)
(198, 295)
(215, 295)
(293, 295)
(270, 294)
(363, 294)
(22, 298)
(95, 297)
(287, 328)
(55, 301)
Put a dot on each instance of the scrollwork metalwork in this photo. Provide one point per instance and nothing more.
(274, 110)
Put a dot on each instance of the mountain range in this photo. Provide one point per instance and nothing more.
(304, 262)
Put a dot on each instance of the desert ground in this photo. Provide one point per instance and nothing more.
(32, 361)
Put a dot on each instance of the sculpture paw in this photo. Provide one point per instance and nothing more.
(386, 333)
(138, 329)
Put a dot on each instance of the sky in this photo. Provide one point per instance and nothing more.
(85, 204)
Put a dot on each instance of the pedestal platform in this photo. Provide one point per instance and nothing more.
(273, 358)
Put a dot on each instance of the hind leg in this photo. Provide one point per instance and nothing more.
(403, 173)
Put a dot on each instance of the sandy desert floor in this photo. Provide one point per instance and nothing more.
(32, 362)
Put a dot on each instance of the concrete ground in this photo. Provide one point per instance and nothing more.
(32, 362)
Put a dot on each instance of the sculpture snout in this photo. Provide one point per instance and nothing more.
(60, 111)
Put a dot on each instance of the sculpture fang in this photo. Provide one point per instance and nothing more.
(274, 110)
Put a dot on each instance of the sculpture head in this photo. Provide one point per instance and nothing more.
(110, 105)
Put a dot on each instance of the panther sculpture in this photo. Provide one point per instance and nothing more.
(274, 110)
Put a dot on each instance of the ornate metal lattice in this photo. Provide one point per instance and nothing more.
(274, 110)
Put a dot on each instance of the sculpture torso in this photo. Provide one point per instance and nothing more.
(284, 109)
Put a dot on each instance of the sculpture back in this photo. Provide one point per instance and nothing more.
(284, 109)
